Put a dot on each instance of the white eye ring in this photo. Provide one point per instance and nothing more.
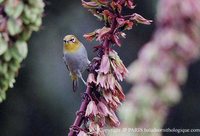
(73, 39)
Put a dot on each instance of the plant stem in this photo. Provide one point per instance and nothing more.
(79, 117)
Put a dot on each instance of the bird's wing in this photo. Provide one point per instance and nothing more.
(65, 63)
(85, 55)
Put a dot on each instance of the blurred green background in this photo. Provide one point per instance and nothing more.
(42, 102)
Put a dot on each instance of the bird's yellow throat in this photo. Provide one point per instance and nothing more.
(71, 47)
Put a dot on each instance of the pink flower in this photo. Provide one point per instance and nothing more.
(104, 2)
(105, 64)
(126, 24)
(98, 34)
(100, 120)
(82, 133)
(129, 4)
(117, 65)
(107, 16)
(111, 100)
(174, 11)
(89, 4)
(118, 91)
(90, 36)
(116, 6)
(91, 78)
(101, 80)
(106, 81)
(91, 110)
(101, 33)
(94, 129)
(140, 19)
(112, 119)
(102, 108)
(115, 39)
(111, 81)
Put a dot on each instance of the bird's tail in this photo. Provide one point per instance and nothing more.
(74, 78)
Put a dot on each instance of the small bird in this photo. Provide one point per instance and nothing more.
(76, 58)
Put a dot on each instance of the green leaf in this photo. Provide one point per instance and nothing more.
(26, 34)
(15, 54)
(4, 87)
(22, 48)
(13, 67)
(36, 3)
(37, 11)
(14, 26)
(7, 55)
(14, 10)
(34, 27)
(27, 12)
(33, 17)
(15, 63)
(26, 20)
(3, 46)
(38, 22)
(3, 68)
(12, 81)
(1, 1)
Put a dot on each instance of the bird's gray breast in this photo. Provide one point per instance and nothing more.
(78, 60)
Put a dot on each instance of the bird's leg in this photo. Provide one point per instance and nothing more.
(80, 76)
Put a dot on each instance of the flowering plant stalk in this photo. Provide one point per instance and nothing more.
(104, 94)
(162, 63)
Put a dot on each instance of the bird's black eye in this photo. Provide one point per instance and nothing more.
(64, 41)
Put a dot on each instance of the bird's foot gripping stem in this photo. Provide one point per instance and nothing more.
(81, 77)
